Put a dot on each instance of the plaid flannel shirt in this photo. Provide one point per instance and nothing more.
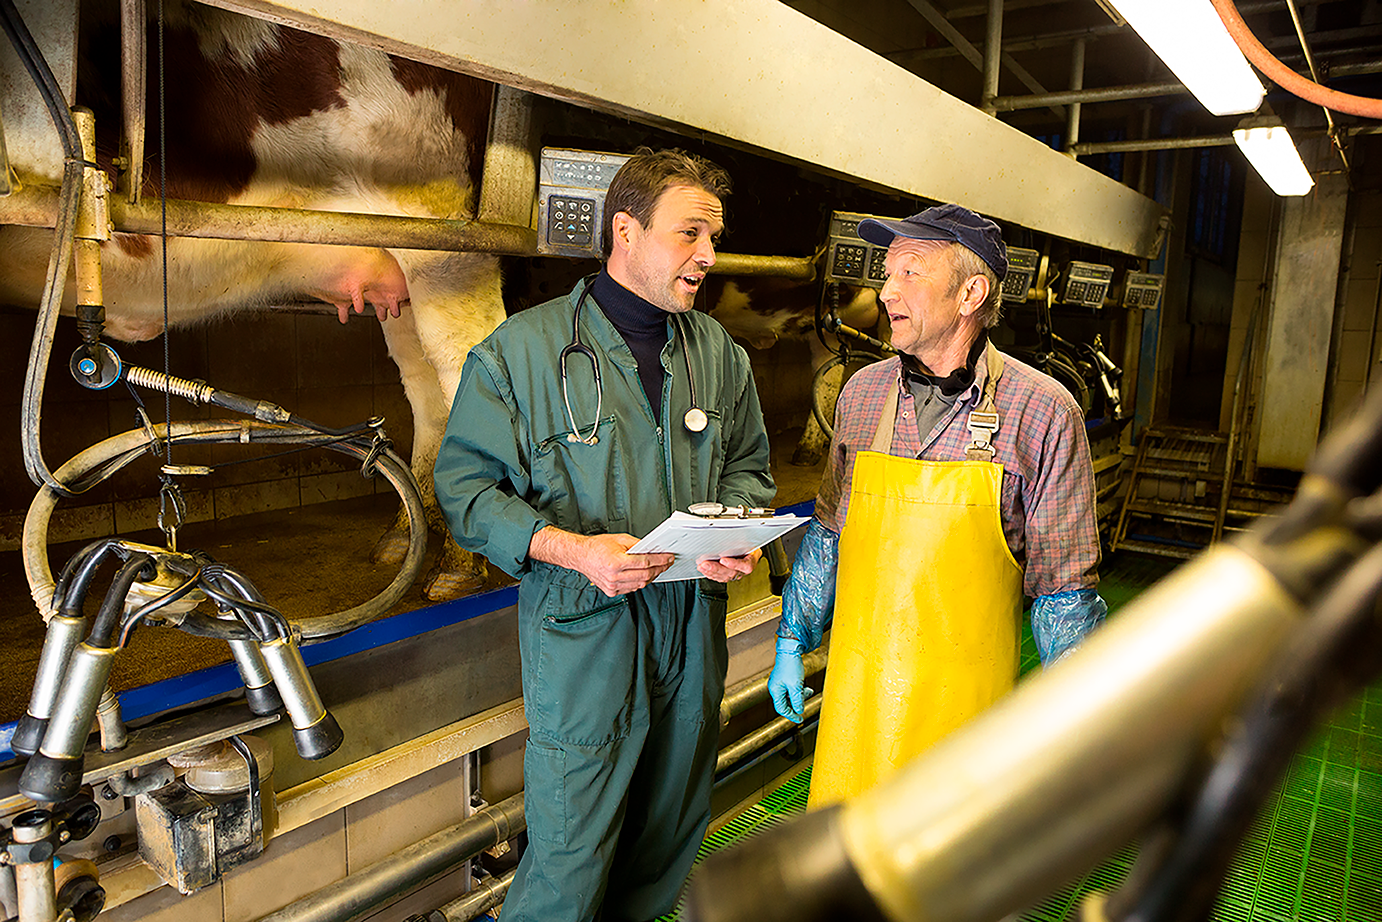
(1047, 502)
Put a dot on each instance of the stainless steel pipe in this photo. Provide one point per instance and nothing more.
(34, 883)
(360, 894)
(37, 206)
(478, 899)
(781, 726)
(1097, 94)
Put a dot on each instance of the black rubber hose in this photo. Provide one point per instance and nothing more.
(135, 618)
(74, 598)
(264, 620)
(1347, 464)
(60, 256)
(70, 594)
(199, 625)
(31, 56)
(65, 577)
(138, 567)
(1333, 654)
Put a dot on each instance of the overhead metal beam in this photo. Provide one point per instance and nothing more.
(1211, 140)
(755, 74)
(1026, 43)
(1137, 144)
(971, 54)
(1098, 94)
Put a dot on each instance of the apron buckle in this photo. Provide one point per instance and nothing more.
(982, 426)
(978, 452)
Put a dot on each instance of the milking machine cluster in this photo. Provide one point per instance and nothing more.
(203, 803)
(163, 586)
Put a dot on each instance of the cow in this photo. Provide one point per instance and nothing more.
(763, 311)
(262, 114)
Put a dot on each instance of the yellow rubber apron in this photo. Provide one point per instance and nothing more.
(928, 603)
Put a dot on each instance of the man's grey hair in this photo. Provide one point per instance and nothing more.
(964, 265)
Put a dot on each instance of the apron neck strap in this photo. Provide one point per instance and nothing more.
(983, 419)
(883, 434)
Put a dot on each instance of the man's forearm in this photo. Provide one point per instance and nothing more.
(551, 544)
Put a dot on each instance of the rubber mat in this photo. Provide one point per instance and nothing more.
(1314, 854)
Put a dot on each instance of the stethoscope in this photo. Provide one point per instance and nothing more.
(695, 419)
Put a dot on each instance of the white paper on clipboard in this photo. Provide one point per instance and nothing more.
(694, 538)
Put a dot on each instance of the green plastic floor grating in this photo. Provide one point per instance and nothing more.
(1314, 853)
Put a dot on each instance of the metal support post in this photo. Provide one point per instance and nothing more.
(1072, 112)
(993, 55)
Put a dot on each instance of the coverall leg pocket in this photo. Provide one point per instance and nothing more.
(585, 676)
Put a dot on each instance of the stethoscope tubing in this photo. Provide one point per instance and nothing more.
(694, 420)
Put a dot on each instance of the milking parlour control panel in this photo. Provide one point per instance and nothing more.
(1086, 284)
(571, 197)
(1142, 290)
(1022, 270)
(850, 258)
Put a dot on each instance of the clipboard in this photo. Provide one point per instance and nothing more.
(694, 538)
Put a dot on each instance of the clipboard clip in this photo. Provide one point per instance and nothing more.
(721, 511)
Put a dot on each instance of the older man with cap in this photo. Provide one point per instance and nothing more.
(959, 480)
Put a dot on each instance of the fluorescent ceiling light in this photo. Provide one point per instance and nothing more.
(1273, 154)
(1191, 39)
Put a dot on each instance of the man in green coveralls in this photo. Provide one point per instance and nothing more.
(578, 424)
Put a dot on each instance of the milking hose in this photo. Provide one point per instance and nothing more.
(109, 456)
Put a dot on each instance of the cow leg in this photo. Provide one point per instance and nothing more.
(465, 572)
(456, 302)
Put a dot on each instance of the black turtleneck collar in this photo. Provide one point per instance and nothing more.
(631, 315)
(957, 380)
(643, 325)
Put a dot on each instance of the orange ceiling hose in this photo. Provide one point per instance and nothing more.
(1288, 79)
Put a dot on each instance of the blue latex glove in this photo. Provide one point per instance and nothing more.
(787, 681)
(1062, 619)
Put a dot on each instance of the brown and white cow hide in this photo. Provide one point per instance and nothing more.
(261, 114)
(765, 311)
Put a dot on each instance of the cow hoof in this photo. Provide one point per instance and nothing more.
(445, 585)
(391, 548)
(806, 457)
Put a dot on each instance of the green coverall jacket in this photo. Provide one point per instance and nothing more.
(621, 695)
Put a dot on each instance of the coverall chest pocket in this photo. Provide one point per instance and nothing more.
(585, 487)
(585, 674)
(708, 450)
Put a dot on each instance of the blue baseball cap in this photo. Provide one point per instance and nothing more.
(944, 222)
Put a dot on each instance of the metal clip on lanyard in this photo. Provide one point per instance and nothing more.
(721, 511)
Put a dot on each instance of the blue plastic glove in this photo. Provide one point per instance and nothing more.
(1062, 619)
(787, 681)
(808, 599)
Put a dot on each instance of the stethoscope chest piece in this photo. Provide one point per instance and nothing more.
(695, 420)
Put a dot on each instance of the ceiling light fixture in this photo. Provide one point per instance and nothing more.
(1191, 39)
(1273, 154)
